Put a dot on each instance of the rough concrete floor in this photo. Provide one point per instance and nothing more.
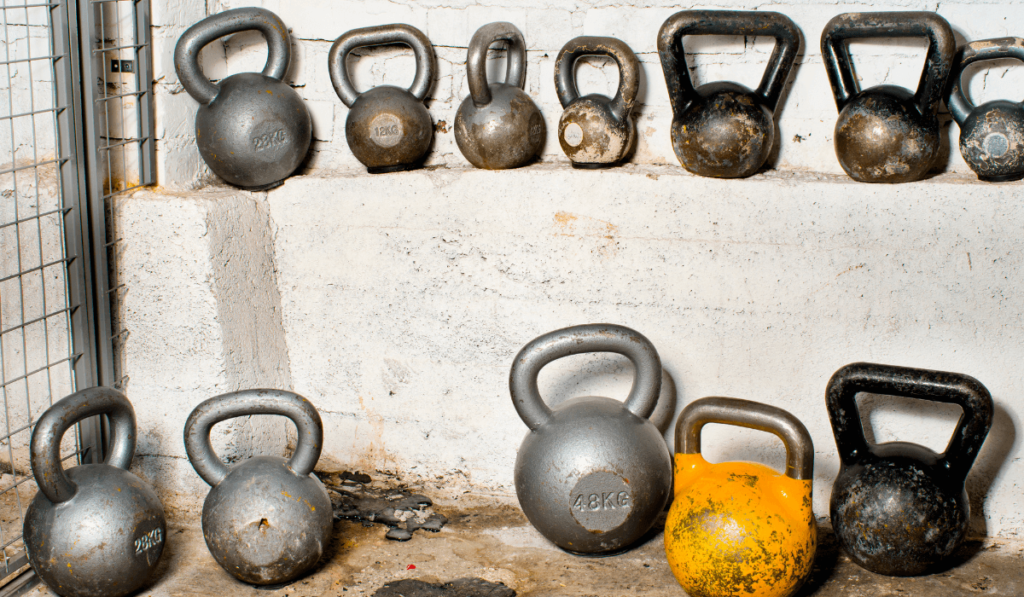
(498, 545)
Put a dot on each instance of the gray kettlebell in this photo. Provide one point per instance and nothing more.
(252, 129)
(593, 474)
(388, 128)
(498, 126)
(596, 131)
(267, 520)
(95, 530)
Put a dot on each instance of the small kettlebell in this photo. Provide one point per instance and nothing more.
(388, 128)
(498, 126)
(740, 528)
(595, 131)
(991, 135)
(95, 530)
(723, 129)
(898, 508)
(267, 520)
(593, 474)
(252, 129)
(886, 133)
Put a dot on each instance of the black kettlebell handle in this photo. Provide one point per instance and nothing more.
(726, 22)
(196, 37)
(976, 51)
(476, 59)
(752, 415)
(924, 384)
(858, 25)
(252, 402)
(379, 36)
(629, 71)
(580, 339)
(44, 448)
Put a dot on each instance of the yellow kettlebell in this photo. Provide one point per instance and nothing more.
(741, 528)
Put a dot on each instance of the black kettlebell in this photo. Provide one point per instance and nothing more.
(992, 134)
(388, 128)
(95, 530)
(723, 129)
(887, 133)
(898, 508)
(252, 129)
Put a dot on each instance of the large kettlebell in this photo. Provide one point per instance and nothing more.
(95, 530)
(740, 528)
(593, 474)
(267, 520)
(388, 128)
(252, 129)
(596, 131)
(991, 135)
(498, 126)
(898, 508)
(886, 133)
(723, 129)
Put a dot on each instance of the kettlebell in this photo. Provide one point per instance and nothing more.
(388, 128)
(267, 520)
(595, 131)
(593, 474)
(252, 129)
(740, 528)
(95, 530)
(886, 133)
(898, 508)
(991, 135)
(723, 129)
(498, 126)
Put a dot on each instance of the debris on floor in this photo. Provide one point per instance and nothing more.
(463, 587)
(355, 496)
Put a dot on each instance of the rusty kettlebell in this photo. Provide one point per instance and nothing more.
(887, 133)
(266, 520)
(898, 508)
(723, 129)
(593, 474)
(252, 129)
(596, 131)
(740, 528)
(991, 135)
(498, 126)
(388, 128)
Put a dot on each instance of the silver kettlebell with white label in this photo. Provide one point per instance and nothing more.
(388, 128)
(593, 474)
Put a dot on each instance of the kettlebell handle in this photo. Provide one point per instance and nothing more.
(629, 71)
(988, 49)
(378, 36)
(252, 402)
(44, 448)
(859, 25)
(196, 37)
(476, 59)
(580, 339)
(752, 415)
(936, 386)
(726, 22)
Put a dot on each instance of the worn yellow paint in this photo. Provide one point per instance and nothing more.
(739, 528)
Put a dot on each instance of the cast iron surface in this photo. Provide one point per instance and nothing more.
(898, 508)
(498, 126)
(887, 133)
(252, 129)
(594, 473)
(388, 128)
(95, 530)
(723, 129)
(595, 131)
(267, 520)
(991, 135)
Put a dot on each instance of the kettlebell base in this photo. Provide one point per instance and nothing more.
(592, 165)
(263, 187)
(1002, 178)
(395, 168)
